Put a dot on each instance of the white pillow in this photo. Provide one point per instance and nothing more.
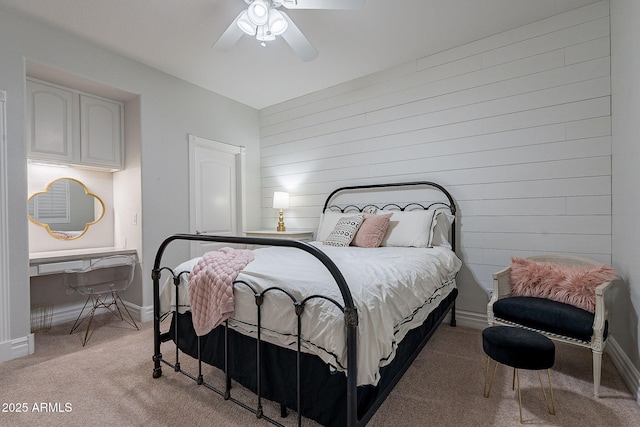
(328, 221)
(345, 230)
(409, 229)
(441, 230)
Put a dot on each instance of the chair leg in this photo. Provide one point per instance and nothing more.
(597, 369)
(99, 302)
(78, 321)
(96, 304)
(118, 302)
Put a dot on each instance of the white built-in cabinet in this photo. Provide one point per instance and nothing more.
(69, 127)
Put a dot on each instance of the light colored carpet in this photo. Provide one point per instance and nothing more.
(109, 383)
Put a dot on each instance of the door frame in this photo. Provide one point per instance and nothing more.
(239, 152)
(5, 300)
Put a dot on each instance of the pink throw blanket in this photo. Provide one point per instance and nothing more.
(211, 287)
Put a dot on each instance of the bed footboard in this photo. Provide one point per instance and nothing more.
(349, 310)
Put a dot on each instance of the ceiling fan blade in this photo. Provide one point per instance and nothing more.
(298, 42)
(323, 4)
(230, 36)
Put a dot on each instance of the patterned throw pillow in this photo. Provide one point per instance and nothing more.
(344, 231)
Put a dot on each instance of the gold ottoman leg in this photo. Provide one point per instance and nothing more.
(551, 407)
(486, 376)
(516, 374)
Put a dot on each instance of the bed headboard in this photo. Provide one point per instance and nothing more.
(396, 196)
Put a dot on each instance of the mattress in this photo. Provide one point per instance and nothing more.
(394, 290)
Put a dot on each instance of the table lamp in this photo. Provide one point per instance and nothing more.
(281, 201)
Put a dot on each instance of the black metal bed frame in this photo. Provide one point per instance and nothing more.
(349, 310)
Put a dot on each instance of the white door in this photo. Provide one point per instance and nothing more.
(216, 191)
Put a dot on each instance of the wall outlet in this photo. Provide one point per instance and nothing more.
(135, 219)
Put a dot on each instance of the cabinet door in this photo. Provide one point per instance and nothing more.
(101, 142)
(50, 122)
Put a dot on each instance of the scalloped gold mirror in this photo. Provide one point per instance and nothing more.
(65, 208)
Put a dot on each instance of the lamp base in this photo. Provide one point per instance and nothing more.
(281, 226)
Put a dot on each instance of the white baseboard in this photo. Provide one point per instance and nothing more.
(140, 314)
(469, 319)
(15, 348)
(628, 372)
(65, 313)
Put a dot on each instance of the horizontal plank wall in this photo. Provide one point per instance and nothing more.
(517, 126)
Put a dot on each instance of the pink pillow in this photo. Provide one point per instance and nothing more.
(573, 285)
(372, 231)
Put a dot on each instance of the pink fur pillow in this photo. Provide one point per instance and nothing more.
(573, 285)
(372, 231)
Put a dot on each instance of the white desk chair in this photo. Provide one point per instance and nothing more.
(101, 283)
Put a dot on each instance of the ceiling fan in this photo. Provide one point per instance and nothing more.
(265, 21)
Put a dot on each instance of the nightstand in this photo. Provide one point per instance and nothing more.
(302, 235)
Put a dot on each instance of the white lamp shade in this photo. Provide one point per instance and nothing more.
(277, 23)
(245, 24)
(280, 200)
(258, 12)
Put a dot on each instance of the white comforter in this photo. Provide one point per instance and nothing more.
(394, 290)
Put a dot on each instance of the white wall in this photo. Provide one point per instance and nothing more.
(127, 198)
(625, 70)
(15, 284)
(169, 110)
(517, 126)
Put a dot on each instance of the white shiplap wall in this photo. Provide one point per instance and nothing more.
(517, 126)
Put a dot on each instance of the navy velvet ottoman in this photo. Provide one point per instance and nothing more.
(520, 349)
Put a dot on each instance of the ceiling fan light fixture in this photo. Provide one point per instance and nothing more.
(245, 24)
(277, 23)
(263, 20)
(264, 34)
(258, 12)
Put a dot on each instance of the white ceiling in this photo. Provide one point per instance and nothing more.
(176, 36)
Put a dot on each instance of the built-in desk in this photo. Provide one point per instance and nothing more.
(55, 262)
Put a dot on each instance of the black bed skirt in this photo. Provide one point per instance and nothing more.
(323, 392)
